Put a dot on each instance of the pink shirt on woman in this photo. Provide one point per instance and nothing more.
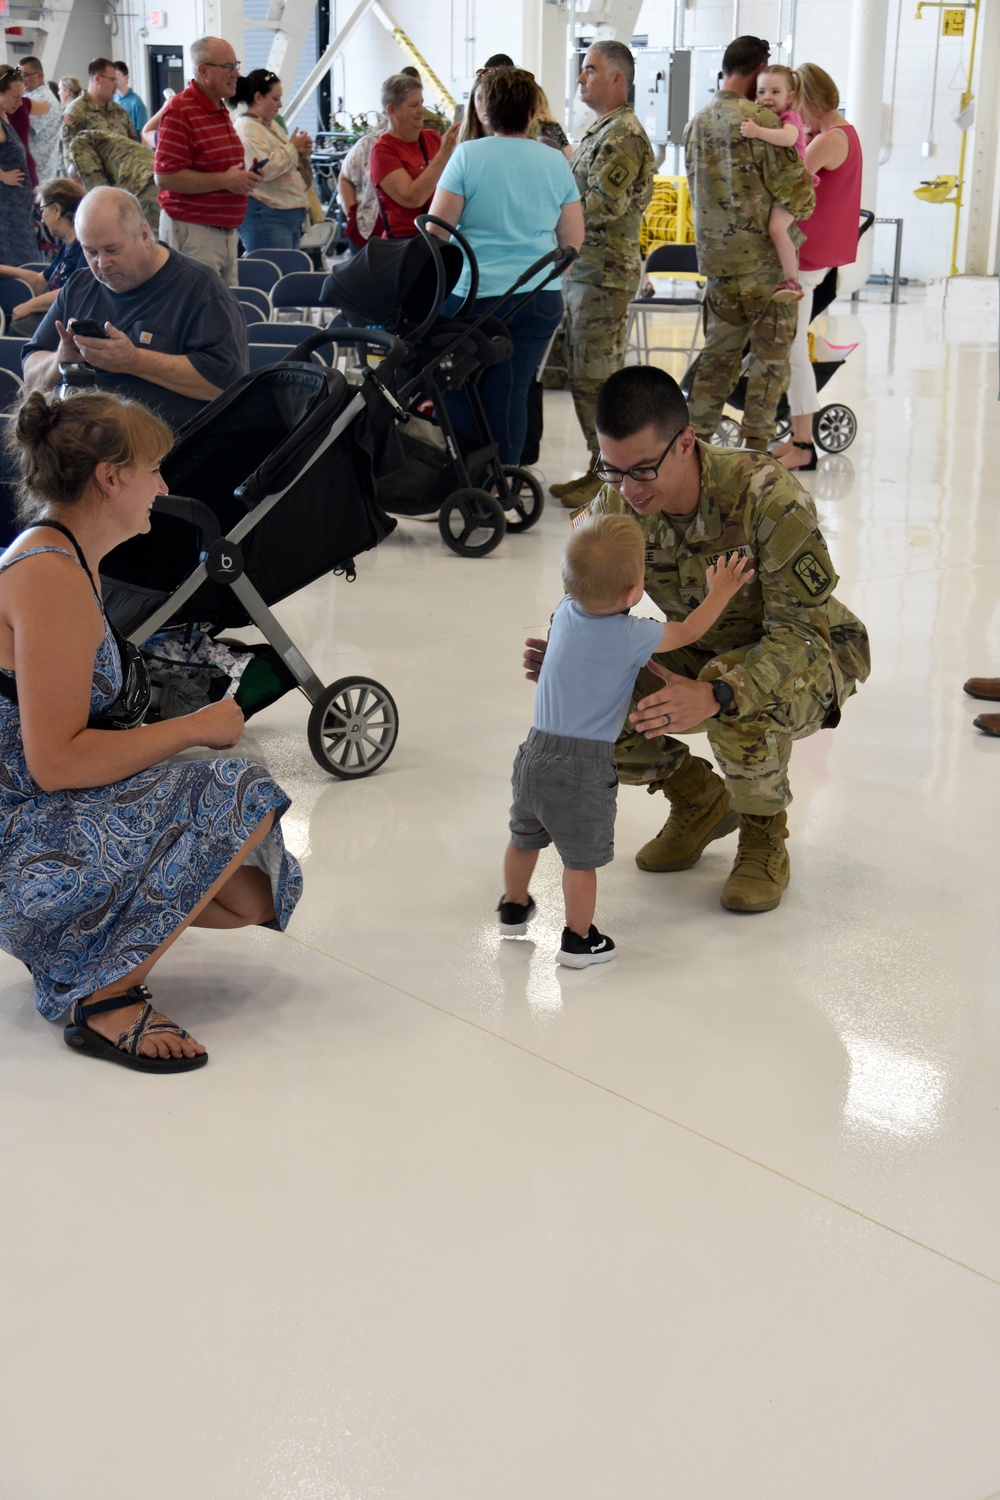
(832, 231)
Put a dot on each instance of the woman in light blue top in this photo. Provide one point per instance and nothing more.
(514, 200)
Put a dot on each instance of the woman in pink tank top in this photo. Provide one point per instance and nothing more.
(834, 156)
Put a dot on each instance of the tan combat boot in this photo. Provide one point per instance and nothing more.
(762, 869)
(580, 493)
(557, 491)
(700, 811)
(756, 440)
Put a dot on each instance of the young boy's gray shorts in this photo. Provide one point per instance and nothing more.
(565, 793)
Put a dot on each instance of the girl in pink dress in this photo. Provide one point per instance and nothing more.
(778, 90)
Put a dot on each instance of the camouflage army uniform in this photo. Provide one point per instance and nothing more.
(789, 650)
(105, 160)
(84, 114)
(613, 168)
(733, 183)
(433, 120)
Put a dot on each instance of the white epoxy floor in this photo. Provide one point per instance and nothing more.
(441, 1221)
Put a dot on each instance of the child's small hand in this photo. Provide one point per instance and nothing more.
(728, 575)
(751, 129)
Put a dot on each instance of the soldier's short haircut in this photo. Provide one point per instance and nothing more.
(604, 558)
(637, 397)
(744, 56)
(397, 88)
(619, 57)
(98, 66)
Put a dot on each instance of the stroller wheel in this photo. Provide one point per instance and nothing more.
(835, 428)
(526, 501)
(471, 523)
(353, 727)
(728, 434)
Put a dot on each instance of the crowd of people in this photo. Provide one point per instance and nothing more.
(758, 651)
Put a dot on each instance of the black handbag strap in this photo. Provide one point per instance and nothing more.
(8, 685)
(58, 526)
(129, 656)
(380, 196)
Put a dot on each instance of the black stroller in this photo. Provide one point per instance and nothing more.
(272, 486)
(835, 426)
(400, 285)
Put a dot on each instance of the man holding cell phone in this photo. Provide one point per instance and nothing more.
(154, 325)
(200, 166)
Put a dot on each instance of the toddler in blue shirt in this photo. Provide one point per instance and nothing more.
(564, 782)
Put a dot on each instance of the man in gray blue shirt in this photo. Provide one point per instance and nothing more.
(173, 335)
(564, 782)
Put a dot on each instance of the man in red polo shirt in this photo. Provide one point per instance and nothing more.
(199, 165)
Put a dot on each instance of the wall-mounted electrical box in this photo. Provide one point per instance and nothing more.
(663, 94)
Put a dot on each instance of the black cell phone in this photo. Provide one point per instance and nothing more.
(88, 328)
(258, 166)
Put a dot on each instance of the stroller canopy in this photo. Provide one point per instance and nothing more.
(393, 283)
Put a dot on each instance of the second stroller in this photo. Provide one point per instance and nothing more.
(400, 286)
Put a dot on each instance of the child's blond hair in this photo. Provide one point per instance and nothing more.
(604, 558)
(792, 83)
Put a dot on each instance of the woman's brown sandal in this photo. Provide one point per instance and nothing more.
(126, 1050)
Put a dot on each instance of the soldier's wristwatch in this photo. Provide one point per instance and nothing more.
(724, 697)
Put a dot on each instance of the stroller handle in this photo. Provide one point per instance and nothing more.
(433, 242)
(396, 350)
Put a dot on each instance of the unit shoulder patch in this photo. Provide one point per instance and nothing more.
(812, 575)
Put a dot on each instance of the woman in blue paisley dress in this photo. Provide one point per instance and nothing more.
(107, 853)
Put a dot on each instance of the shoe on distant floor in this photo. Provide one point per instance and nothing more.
(988, 723)
(514, 918)
(582, 492)
(558, 490)
(578, 953)
(983, 687)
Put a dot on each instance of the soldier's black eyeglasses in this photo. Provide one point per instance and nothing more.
(643, 474)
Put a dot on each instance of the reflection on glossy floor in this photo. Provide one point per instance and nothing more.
(442, 1222)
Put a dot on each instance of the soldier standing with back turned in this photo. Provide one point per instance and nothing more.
(613, 167)
(733, 182)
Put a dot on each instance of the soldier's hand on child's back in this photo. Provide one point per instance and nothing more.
(729, 574)
(534, 652)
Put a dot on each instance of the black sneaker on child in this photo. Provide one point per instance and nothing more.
(577, 952)
(514, 918)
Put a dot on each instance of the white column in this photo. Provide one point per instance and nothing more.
(977, 251)
(862, 104)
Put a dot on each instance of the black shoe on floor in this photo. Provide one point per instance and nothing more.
(514, 918)
(577, 952)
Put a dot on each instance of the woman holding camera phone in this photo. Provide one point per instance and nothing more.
(277, 209)
(107, 853)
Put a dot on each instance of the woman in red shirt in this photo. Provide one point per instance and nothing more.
(833, 155)
(407, 161)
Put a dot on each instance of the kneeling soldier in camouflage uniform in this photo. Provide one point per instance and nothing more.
(105, 160)
(613, 168)
(733, 182)
(776, 667)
